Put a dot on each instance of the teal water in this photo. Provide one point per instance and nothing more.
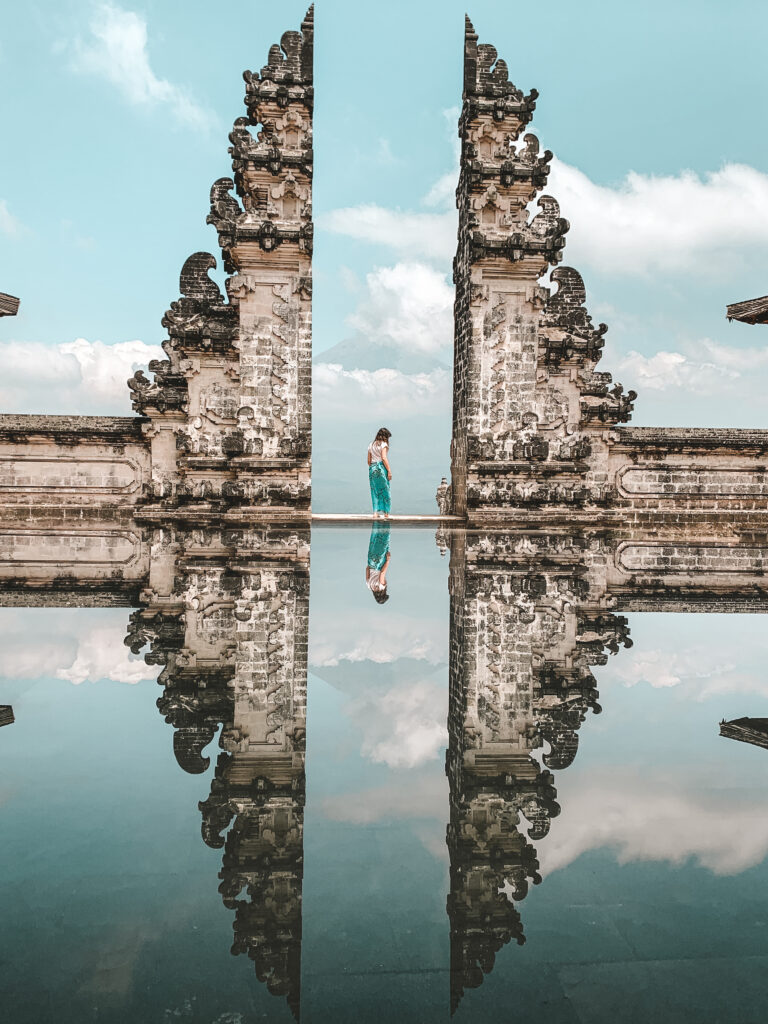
(653, 902)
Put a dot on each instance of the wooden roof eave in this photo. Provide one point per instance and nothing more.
(9, 305)
(752, 311)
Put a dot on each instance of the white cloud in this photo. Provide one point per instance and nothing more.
(412, 234)
(355, 394)
(667, 371)
(647, 819)
(676, 223)
(76, 377)
(403, 321)
(443, 192)
(117, 51)
(706, 368)
(9, 225)
(409, 306)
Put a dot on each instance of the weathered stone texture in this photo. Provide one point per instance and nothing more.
(524, 359)
(226, 417)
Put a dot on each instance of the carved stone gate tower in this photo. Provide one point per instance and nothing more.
(231, 406)
(535, 426)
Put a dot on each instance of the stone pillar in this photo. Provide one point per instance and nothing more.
(230, 408)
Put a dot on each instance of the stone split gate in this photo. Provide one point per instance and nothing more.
(224, 424)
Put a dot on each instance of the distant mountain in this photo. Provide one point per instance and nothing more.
(359, 354)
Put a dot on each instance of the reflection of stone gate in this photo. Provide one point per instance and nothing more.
(225, 613)
(532, 612)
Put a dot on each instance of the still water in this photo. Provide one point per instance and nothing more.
(592, 861)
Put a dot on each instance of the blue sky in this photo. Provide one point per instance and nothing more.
(115, 121)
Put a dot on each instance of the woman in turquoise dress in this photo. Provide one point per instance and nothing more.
(379, 473)
(378, 562)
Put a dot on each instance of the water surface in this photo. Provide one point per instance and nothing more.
(634, 878)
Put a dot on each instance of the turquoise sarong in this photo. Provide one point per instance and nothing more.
(378, 546)
(377, 475)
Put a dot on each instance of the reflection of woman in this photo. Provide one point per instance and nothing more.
(379, 473)
(378, 562)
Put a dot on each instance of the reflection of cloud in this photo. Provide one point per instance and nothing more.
(397, 707)
(100, 657)
(692, 671)
(117, 52)
(402, 727)
(646, 819)
(78, 376)
(28, 656)
(350, 639)
(425, 796)
(86, 646)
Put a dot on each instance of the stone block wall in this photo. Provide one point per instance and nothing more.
(66, 462)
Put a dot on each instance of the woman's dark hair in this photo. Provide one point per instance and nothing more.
(383, 434)
(380, 596)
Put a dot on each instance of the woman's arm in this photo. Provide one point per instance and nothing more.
(369, 456)
(385, 460)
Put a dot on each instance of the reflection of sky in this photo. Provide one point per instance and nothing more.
(652, 902)
(108, 896)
